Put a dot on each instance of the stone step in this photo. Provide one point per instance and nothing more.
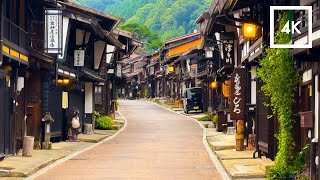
(265, 164)
(220, 145)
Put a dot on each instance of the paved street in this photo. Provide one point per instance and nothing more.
(157, 144)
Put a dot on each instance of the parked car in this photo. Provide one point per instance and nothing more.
(192, 100)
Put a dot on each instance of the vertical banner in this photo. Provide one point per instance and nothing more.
(53, 31)
(79, 58)
(119, 70)
(237, 94)
(228, 52)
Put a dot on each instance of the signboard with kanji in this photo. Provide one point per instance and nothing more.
(53, 31)
(118, 70)
(228, 52)
(237, 94)
(78, 57)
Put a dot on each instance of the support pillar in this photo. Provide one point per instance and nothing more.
(240, 136)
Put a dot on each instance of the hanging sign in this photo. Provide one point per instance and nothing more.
(237, 94)
(78, 57)
(53, 31)
(118, 70)
(228, 52)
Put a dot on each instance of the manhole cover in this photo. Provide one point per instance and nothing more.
(6, 168)
(79, 159)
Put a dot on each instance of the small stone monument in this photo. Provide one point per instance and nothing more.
(47, 119)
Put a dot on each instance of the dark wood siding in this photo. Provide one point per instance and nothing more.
(4, 118)
(266, 128)
(76, 99)
(55, 103)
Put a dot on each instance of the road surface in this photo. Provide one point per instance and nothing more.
(157, 144)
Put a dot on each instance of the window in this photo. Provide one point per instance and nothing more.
(98, 95)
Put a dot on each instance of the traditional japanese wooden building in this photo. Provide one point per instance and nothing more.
(178, 59)
(222, 24)
(35, 81)
(14, 60)
(307, 59)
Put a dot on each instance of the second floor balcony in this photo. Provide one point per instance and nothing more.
(303, 17)
(15, 36)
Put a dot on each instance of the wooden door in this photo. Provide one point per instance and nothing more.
(5, 125)
(56, 111)
(34, 110)
(266, 128)
(20, 119)
(76, 100)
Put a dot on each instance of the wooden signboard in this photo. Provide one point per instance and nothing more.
(237, 94)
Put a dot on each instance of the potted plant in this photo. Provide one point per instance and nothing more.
(215, 120)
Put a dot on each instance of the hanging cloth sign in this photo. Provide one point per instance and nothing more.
(53, 31)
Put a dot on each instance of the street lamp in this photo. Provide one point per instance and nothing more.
(214, 84)
(249, 30)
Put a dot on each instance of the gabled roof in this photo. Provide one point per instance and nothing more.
(182, 37)
(89, 11)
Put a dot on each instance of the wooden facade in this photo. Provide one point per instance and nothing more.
(32, 82)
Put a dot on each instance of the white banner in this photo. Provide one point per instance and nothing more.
(78, 57)
(53, 31)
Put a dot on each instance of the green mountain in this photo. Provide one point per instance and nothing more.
(170, 18)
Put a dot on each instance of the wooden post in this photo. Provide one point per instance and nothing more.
(87, 129)
(240, 136)
(28, 142)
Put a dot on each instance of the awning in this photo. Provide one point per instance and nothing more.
(67, 72)
(153, 64)
(185, 47)
(196, 59)
(189, 56)
(130, 75)
(91, 75)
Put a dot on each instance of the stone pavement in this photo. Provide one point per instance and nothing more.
(19, 166)
(156, 144)
(238, 164)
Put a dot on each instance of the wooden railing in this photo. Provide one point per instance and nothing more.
(37, 36)
(15, 34)
(202, 70)
(303, 17)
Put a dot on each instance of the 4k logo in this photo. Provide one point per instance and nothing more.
(292, 27)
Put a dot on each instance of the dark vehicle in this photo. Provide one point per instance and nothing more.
(192, 99)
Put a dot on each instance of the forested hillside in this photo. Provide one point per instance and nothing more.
(170, 18)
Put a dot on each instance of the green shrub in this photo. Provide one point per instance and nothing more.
(146, 93)
(215, 119)
(207, 117)
(117, 105)
(103, 122)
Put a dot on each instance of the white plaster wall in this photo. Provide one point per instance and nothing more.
(253, 85)
(65, 35)
(98, 52)
(88, 90)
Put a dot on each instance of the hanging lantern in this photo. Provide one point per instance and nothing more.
(171, 69)
(214, 85)
(226, 88)
(249, 30)
(66, 81)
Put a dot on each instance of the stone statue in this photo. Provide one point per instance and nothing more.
(74, 124)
